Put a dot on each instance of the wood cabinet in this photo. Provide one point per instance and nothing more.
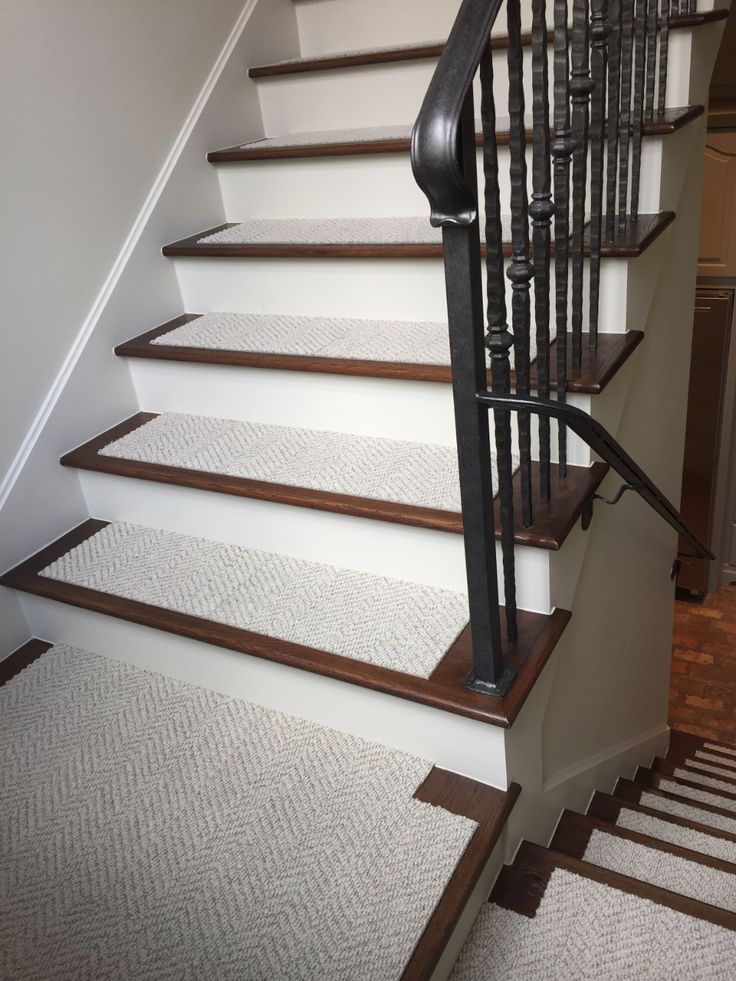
(717, 250)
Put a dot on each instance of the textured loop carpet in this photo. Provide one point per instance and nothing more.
(395, 624)
(393, 341)
(333, 231)
(681, 773)
(725, 761)
(420, 474)
(682, 790)
(720, 748)
(699, 814)
(585, 930)
(152, 829)
(671, 872)
(676, 834)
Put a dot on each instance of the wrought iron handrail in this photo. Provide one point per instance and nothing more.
(585, 148)
(434, 141)
(608, 449)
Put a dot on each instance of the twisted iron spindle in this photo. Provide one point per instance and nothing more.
(562, 149)
(614, 92)
(581, 85)
(637, 116)
(521, 271)
(664, 43)
(499, 339)
(600, 30)
(627, 52)
(541, 211)
(651, 58)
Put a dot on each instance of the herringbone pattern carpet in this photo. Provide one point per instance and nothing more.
(152, 829)
(401, 625)
(585, 931)
(419, 474)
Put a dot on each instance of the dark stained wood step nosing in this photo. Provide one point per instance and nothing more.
(607, 807)
(20, 658)
(553, 522)
(632, 790)
(665, 124)
(538, 635)
(490, 808)
(521, 886)
(626, 240)
(430, 50)
(680, 738)
(596, 372)
(574, 831)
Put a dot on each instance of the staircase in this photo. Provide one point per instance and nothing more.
(638, 887)
(279, 516)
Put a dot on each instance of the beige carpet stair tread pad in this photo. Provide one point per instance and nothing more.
(420, 474)
(699, 814)
(676, 834)
(411, 230)
(153, 829)
(704, 796)
(395, 624)
(662, 869)
(724, 761)
(720, 748)
(682, 773)
(703, 764)
(586, 930)
(352, 339)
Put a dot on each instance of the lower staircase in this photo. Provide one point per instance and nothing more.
(642, 886)
(154, 829)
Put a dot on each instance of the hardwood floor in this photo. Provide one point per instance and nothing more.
(703, 680)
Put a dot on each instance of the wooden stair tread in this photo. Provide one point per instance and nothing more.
(597, 369)
(429, 49)
(553, 520)
(538, 635)
(632, 790)
(650, 777)
(490, 808)
(663, 124)
(628, 239)
(671, 764)
(521, 886)
(686, 742)
(574, 831)
(20, 658)
(607, 807)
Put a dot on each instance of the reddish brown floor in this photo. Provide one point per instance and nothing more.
(703, 681)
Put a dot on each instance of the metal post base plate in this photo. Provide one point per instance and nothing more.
(498, 690)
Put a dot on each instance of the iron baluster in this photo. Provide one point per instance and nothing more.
(627, 51)
(562, 148)
(600, 30)
(614, 93)
(652, 29)
(499, 340)
(461, 246)
(541, 211)
(521, 271)
(664, 43)
(637, 120)
(581, 86)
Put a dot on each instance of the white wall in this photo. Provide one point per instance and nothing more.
(93, 97)
(78, 286)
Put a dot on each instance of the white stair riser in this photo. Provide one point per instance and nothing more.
(392, 289)
(365, 95)
(392, 93)
(311, 187)
(450, 741)
(379, 547)
(389, 408)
